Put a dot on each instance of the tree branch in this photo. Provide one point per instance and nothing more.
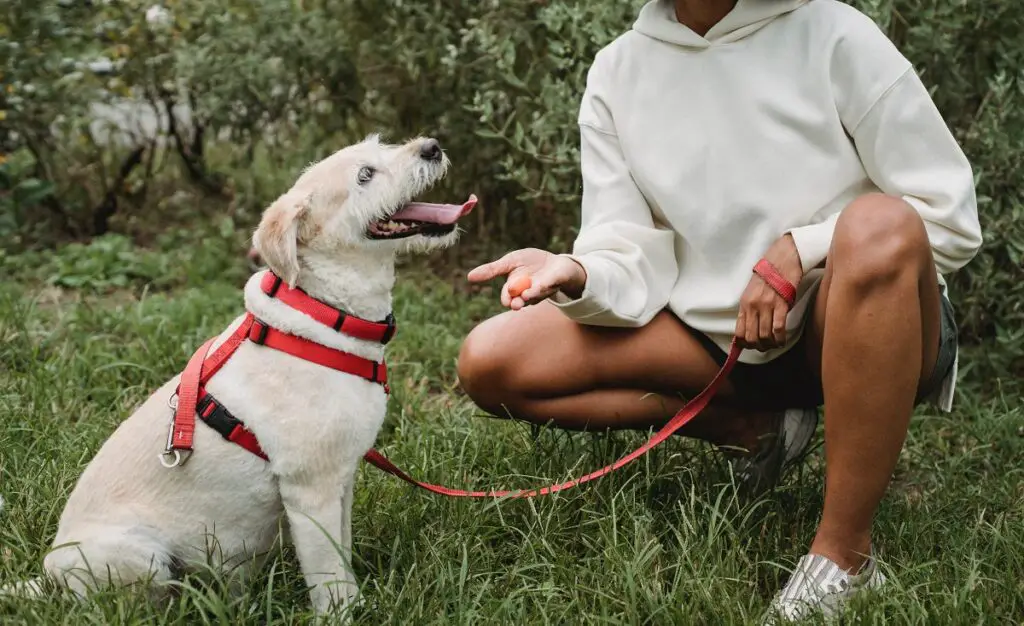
(191, 153)
(108, 206)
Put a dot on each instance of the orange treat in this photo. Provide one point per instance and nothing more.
(519, 285)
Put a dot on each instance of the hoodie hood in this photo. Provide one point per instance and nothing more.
(657, 20)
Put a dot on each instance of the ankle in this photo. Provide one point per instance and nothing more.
(750, 433)
(850, 551)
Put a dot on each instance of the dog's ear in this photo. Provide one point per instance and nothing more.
(277, 237)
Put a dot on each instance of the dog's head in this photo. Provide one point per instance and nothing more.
(360, 199)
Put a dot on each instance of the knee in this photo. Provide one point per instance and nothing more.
(483, 366)
(878, 239)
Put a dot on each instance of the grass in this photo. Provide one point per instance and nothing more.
(664, 541)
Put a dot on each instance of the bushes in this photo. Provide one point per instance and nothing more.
(971, 56)
(271, 84)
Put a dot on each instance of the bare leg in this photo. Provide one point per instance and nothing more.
(875, 335)
(537, 365)
(879, 293)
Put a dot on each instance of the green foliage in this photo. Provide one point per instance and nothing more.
(21, 193)
(972, 58)
(261, 88)
(105, 262)
(113, 262)
(43, 94)
(511, 74)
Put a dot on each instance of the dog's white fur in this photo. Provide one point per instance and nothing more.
(129, 519)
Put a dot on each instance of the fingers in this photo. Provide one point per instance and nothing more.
(487, 271)
(751, 333)
(761, 323)
(765, 332)
(506, 297)
(542, 285)
(779, 324)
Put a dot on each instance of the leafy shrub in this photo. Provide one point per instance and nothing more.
(178, 258)
(272, 84)
(105, 262)
(21, 193)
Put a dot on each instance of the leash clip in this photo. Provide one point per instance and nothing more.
(171, 457)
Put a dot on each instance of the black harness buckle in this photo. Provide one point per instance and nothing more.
(258, 333)
(341, 321)
(390, 332)
(218, 418)
(275, 286)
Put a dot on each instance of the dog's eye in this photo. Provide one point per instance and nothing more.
(365, 174)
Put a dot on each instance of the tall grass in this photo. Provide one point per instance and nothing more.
(664, 541)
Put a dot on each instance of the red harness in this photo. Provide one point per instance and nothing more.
(192, 398)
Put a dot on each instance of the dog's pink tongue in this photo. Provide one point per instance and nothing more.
(435, 213)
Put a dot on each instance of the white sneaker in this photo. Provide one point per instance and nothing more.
(819, 586)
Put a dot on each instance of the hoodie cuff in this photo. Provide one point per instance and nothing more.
(813, 242)
(590, 302)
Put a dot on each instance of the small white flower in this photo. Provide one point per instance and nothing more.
(158, 15)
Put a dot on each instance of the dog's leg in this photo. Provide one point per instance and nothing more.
(118, 557)
(318, 517)
(34, 588)
(346, 521)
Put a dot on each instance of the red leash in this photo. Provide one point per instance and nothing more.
(200, 369)
(685, 414)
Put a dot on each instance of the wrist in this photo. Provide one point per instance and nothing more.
(577, 281)
(792, 267)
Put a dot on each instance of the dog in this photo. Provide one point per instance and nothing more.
(334, 235)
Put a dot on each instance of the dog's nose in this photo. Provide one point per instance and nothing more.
(431, 150)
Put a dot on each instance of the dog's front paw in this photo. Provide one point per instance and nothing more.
(336, 600)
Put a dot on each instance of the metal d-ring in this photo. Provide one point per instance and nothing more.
(164, 455)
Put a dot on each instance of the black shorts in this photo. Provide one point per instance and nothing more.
(788, 381)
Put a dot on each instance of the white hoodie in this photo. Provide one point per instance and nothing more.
(697, 153)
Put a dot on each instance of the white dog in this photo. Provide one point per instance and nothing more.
(335, 235)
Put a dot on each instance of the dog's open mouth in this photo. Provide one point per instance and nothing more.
(420, 218)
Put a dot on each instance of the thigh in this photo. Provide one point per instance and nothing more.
(546, 354)
(930, 301)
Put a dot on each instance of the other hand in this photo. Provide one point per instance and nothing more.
(761, 323)
(548, 274)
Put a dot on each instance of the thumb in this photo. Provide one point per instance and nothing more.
(543, 283)
(487, 271)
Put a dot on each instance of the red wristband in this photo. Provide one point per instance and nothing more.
(776, 281)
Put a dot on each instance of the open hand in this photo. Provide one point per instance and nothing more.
(548, 273)
(761, 323)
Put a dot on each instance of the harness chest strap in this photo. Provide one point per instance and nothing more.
(192, 400)
(264, 335)
(200, 369)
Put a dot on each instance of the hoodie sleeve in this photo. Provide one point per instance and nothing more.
(630, 263)
(905, 146)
